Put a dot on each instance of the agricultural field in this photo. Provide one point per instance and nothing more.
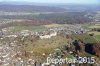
(86, 26)
(98, 37)
(19, 28)
(96, 34)
(53, 25)
(95, 26)
(91, 26)
(85, 37)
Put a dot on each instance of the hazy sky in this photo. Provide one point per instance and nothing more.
(61, 1)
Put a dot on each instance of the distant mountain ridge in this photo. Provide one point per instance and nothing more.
(35, 3)
(16, 6)
(17, 3)
(30, 8)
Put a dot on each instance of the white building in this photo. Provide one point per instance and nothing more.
(48, 36)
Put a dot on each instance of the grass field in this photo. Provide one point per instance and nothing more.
(86, 26)
(45, 45)
(85, 37)
(98, 37)
(19, 28)
(94, 26)
(96, 34)
(91, 26)
(53, 25)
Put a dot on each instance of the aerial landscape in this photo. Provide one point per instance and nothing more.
(40, 33)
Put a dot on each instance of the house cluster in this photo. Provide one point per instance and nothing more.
(44, 36)
(76, 29)
(66, 30)
(41, 35)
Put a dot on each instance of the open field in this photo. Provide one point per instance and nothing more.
(52, 25)
(46, 45)
(95, 26)
(86, 26)
(98, 37)
(94, 32)
(85, 37)
(19, 28)
(91, 26)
